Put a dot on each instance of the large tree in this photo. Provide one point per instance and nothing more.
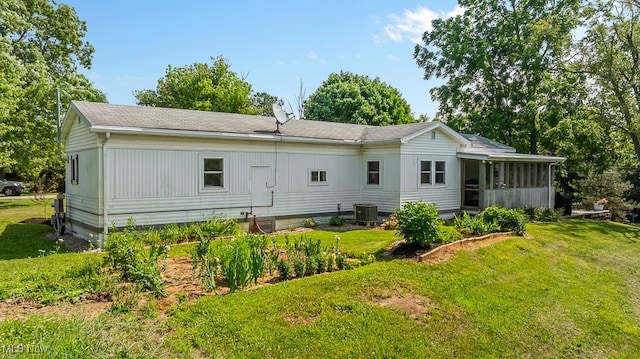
(263, 103)
(502, 61)
(611, 56)
(41, 49)
(351, 98)
(201, 86)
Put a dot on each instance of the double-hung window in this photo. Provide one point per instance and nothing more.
(213, 172)
(373, 172)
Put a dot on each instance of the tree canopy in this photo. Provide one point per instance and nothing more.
(502, 61)
(610, 54)
(351, 98)
(41, 49)
(201, 86)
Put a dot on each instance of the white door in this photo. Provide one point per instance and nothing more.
(260, 193)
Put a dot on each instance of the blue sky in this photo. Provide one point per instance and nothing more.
(274, 44)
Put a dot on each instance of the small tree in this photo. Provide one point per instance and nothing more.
(418, 223)
(611, 187)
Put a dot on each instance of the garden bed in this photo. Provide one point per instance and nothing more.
(440, 253)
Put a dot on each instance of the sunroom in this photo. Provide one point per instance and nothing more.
(510, 180)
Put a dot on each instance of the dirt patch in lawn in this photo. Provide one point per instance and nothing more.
(416, 306)
(20, 309)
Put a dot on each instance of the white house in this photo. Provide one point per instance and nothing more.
(162, 165)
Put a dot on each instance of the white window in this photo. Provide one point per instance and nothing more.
(213, 172)
(74, 169)
(373, 172)
(317, 177)
(432, 172)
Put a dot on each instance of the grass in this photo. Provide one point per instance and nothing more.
(20, 240)
(569, 291)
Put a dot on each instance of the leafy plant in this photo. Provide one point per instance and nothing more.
(448, 234)
(506, 219)
(548, 214)
(127, 256)
(418, 223)
(337, 221)
(468, 225)
(309, 223)
(285, 268)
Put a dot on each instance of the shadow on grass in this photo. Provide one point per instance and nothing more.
(586, 228)
(23, 240)
(14, 204)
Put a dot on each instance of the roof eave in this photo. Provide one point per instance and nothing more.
(505, 157)
(221, 135)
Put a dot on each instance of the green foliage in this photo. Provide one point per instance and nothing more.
(503, 66)
(127, 256)
(201, 86)
(418, 223)
(609, 55)
(285, 268)
(263, 103)
(507, 219)
(470, 225)
(41, 49)
(235, 262)
(548, 214)
(448, 234)
(337, 221)
(309, 223)
(351, 98)
(610, 186)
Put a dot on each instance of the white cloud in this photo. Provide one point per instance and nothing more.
(313, 56)
(393, 58)
(413, 23)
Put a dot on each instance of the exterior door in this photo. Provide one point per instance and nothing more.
(260, 193)
(471, 185)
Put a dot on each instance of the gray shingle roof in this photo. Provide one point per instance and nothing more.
(105, 116)
(478, 141)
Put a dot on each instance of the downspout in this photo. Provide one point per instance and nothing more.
(105, 186)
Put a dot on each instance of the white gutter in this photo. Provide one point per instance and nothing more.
(105, 188)
(223, 135)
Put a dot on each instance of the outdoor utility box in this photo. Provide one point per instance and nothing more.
(365, 213)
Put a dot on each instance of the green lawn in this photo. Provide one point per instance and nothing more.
(571, 290)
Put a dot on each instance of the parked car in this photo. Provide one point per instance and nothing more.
(11, 188)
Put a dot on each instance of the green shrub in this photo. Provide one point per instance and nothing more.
(127, 255)
(548, 214)
(470, 225)
(285, 268)
(299, 266)
(507, 219)
(530, 212)
(321, 260)
(311, 265)
(337, 221)
(418, 223)
(448, 234)
(309, 223)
